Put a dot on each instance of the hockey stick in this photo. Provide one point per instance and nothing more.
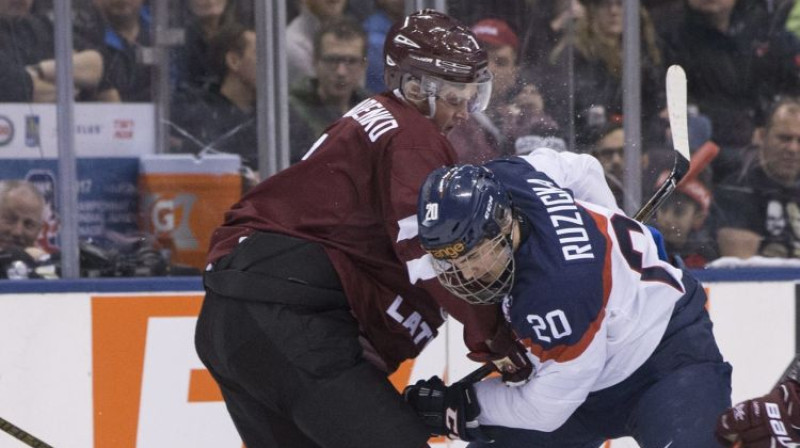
(678, 123)
(26, 438)
(676, 106)
(792, 372)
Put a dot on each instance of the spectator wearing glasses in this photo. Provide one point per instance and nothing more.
(301, 31)
(316, 102)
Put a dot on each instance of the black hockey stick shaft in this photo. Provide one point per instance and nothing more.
(679, 170)
(25, 437)
(478, 374)
(792, 372)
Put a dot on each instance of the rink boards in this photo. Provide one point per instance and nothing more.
(118, 369)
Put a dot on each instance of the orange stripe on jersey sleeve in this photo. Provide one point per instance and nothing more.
(564, 353)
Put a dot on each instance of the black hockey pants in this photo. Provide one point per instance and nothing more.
(277, 334)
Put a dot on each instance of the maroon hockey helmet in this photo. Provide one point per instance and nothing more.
(434, 46)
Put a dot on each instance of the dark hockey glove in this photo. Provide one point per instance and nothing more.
(447, 411)
(509, 356)
(770, 421)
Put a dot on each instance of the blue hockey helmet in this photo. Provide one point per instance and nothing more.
(464, 218)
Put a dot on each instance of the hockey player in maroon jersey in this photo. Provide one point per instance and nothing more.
(317, 288)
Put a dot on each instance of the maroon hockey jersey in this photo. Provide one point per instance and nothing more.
(356, 194)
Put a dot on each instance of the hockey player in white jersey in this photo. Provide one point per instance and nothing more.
(620, 340)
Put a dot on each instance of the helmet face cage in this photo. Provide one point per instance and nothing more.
(473, 287)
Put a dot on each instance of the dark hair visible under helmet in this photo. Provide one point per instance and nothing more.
(460, 208)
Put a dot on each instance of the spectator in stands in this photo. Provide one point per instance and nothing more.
(539, 23)
(609, 148)
(734, 65)
(15, 8)
(21, 220)
(301, 31)
(221, 118)
(758, 208)
(21, 214)
(682, 218)
(376, 26)
(516, 109)
(339, 62)
(28, 71)
(193, 60)
(598, 70)
(548, 22)
(128, 57)
(513, 12)
(787, 15)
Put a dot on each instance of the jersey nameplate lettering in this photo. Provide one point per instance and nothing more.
(418, 328)
(374, 118)
(566, 219)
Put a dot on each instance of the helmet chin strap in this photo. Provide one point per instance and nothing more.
(431, 99)
(431, 106)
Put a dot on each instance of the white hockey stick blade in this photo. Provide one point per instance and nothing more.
(678, 122)
(676, 106)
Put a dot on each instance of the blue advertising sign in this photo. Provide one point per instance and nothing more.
(108, 196)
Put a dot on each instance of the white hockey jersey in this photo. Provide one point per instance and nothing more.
(591, 299)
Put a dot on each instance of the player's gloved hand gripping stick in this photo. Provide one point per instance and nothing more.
(770, 421)
(450, 411)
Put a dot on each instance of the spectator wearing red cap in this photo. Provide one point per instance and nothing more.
(503, 46)
(681, 220)
(516, 109)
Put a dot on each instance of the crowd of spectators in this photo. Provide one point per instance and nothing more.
(558, 82)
